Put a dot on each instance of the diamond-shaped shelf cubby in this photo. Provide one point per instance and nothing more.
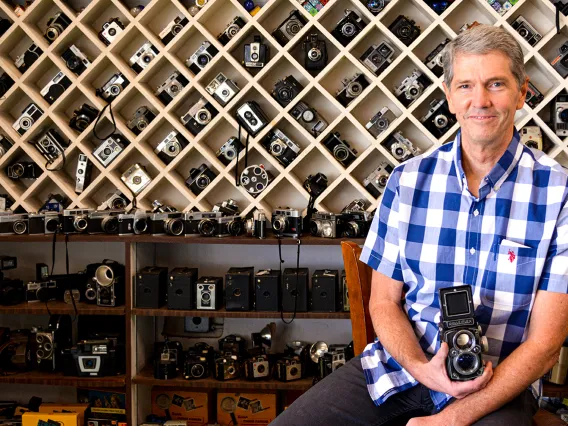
(135, 51)
(217, 137)
(256, 183)
(278, 73)
(537, 15)
(13, 48)
(396, 20)
(65, 109)
(104, 129)
(434, 114)
(224, 189)
(196, 170)
(315, 162)
(123, 163)
(367, 50)
(341, 195)
(283, 21)
(75, 37)
(285, 195)
(41, 194)
(19, 163)
(69, 172)
(310, 51)
(253, 65)
(346, 83)
(202, 122)
(154, 80)
(194, 50)
(466, 12)
(12, 109)
(409, 131)
(99, 74)
(105, 13)
(230, 72)
(156, 135)
(42, 76)
(428, 50)
(130, 108)
(104, 189)
(285, 126)
(368, 168)
(346, 132)
(160, 21)
(223, 18)
(167, 194)
(39, 17)
(365, 110)
(36, 133)
(325, 111)
(261, 99)
(347, 32)
(541, 77)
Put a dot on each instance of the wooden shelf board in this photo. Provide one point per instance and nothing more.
(58, 379)
(60, 307)
(222, 313)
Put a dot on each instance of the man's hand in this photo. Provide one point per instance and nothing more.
(434, 376)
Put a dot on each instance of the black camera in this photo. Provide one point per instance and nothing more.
(348, 27)
(251, 117)
(330, 361)
(256, 54)
(439, 119)
(30, 115)
(288, 29)
(315, 53)
(200, 178)
(280, 146)
(227, 368)
(315, 184)
(257, 368)
(255, 226)
(24, 61)
(55, 88)
(228, 207)
(340, 149)
(309, 118)
(288, 369)
(287, 222)
(166, 223)
(23, 170)
(142, 57)
(231, 30)
(51, 145)
(405, 29)
(45, 345)
(534, 97)
(351, 89)
(75, 60)
(460, 330)
(199, 115)
(172, 87)
(168, 359)
(103, 222)
(42, 291)
(357, 223)
(110, 283)
(229, 150)
(526, 31)
(170, 147)
(75, 221)
(110, 31)
(377, 58)
(401, 148)
(55, 26)
(376, 182)
(560, 63)
(201, 57)
(6, 84)
(113, 87)
(83, 117)
(233, 344)
(5, 24)
(5, 145)
(142, 117)
(411, 88)
(95, 358)
(196, 366)
(173, 29)
(286, 89)
(434, 59)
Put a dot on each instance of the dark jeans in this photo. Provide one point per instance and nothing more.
(342, 399)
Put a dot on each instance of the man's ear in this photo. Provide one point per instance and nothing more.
(448, 97)
(523, 94)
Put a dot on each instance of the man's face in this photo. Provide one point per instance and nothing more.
(484, 96)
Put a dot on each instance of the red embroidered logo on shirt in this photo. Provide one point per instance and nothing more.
(511, 256)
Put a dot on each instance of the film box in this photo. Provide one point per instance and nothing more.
(195, 406)
(248, 408)
(67, 419)
(80, 409)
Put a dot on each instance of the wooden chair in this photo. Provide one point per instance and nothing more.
(358, 276)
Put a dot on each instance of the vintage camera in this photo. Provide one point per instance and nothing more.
(136, 178)
(30, 115)
(376, 182)
(42, 291)
(227, 368)
(531, 136)
(352, 88)
(267, 290)
(171, 146)
(411, 88)
(405, 29)
(348, 27)
(377, 58)
(110, 31)
(83, 117)
(150, 291)
(181, 288)
(256, 53)
(315, 184)
(228, 226)
(94, 358)
(288, 29)
(288, 369)
(6, 84)
(200, 178)
(5, 145)
(55, 88)
(76, 221)
(401, 148)
(357, 223)
(166, 223)
(55, 26)
(561, 116)
(171, 87)
(108, 150)
(239, 290)
(143, 56)
(251, 117)
(133, 222)
(113, 87)
(380, 121)
(103, 222)
(375, 6)
(526, 30)
(229, 150)
(326, 225)
(222, 89)
(44, 222)
(201, 57)
(173, 29)
(228, 207)
(24, 61)
(309, 118)
(23, 170)
(168, 359)
(256, 225)
(14, 224)
(460, 330)
(45, 345)
(280, 146)
(287, 222)
(209, 293)
(439, 119)
(75, 60)
(330, 361)
(51, 145)
(110, 281)
(255, 179)
(83, 173)
(340, 149)
(142, 117)
(201, 223)
(231, 30)
(115, 201)
(195, 367)
(534, 97)
(199, 115)
(257, 368)
(434, 59)
(560, 63)
(315, 53)
(5, 24)
(233, 344)
(286, 89)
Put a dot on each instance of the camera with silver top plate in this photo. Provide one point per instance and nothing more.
(113, 87)
(14, 224)
(315, 53)
(251, 116)
(377, 58)
(199, 115)
(380, 121)
(23, 170)
(209, 293)
(166, 223)
(133, 222)
(172, 87)
(200, 178)
(222, 89)
(356, 223)
(405, 29)
(288, 369)
(288, 29)
(55, 88)
(309, 118)
(142, 57)
(560, 118)
(76, 221)
(30, 115)
(201, 223)
(351, 89)
(44, 222)
(534, 97)
(256, 54)
(41, 291)
(51, 145)
(171, 146)
(110, 31)
(340, 149)
(136, 178)
(103, 222)
(326, 225)
(255, 179)
(228, 207)
(229, 150)
(55, 26)
(75, 60)
(142, 117)
(411, 88)
(286, 89)
(526, 30)
(287, 222)
(95, 358)
(376, 182)
(83, 117)
(228, 226)
(434, 59)
(531, 136)
(348, 27)
(109, 149)
(227, 367)
(439, 118)
(201, 58)
(401, 148)
(82, 173)
(115, 201)
(24, 61)
(173, 29)
(280, 146)
(231, 30)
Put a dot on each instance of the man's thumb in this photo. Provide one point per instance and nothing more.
(443, 351)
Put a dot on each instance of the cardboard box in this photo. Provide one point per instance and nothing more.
(248, 408)
(80, 409)
(195, 406)
(104, 404)
(67, 419)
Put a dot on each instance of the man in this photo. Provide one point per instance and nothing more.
(483, 210)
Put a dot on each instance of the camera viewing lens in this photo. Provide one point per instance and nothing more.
(466, 362)
(232, 30)
(73, 63)
(206, 227)
(26, 123)
(206, 297)
(254, 57)
(197, 370)
(404, 31)
(112, 32)
(261, 368)
(52, 34)
(314, 54)
(257, 171)
(441, 121)
(80, 223)
(248, 115)
(284, 94)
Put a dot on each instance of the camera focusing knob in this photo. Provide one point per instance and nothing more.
(484, 344)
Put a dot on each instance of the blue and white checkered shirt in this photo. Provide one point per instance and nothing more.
(430, 232)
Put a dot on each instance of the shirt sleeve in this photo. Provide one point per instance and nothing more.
(381, 250)
(555, 271)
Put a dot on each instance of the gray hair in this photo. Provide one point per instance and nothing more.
(480, 40)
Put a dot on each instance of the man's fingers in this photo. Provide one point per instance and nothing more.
(463, 389)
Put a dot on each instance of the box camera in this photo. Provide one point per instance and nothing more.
(560, 118)
(23, 170)
(171, 87)
(377, 58)
(14, 224)
(227, 368)
(5, 145)
(173, 29)
(256, 53)
(328, 362)
(6, 84)
(103, 222)
(108, 150)
(411, 88)
(209, 293)
(142, 117)
(288, 29)
(439, 119)
(267, 290)
(231, 30)
(380, 122)
(199, 178)
(287, 222)
(280, 146)
(115, 201)
(133, 222)
(195, 367)
(239, 289)
(75, 60)
(348, 27)
(326, 225)
(151, 282)
(309, 118)
(113, 87)
(166, 223)
(30, 115)
(251, 117)
(166, 360)
(233, 344)
(143, 56)
(357, 223)
(55, 88)
(340, 149)
(534, 97)
(257, 368)
(286, 89)
(560, 63)
(51, 145)
(95, 358)
(229, 150)
(25, 61)
(315, 184)
(111, 30)
(376, 182)
(181, 288)
(171, 146)
(531, 136)
(201, 57)
(75, 221)
(405, 29)
(352, 88)
(136, 178)
(434, 59)
(55, 26)
(43, 291)
(83, 117)
(460, 330)
(255, 179)
(315, 53)
(201, 223)
(288, 369)
(83, 173)
(222, 89)
(375, 6)
(109, 279)
(400, 147)
(228, 226)
(526, 30)
(199, 115)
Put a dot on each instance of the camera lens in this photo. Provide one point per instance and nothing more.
(232, 30)
(174, 226)
(90, 294)
(197, 370)
(176, 29)
(376, 59)
(261, 368)
(348, 29)
(384, 50)
(308, 116)
(327, 231)
(73, 63)
(112, 32)
(51, 33)
(47, 347)
(202, 60)
(26, 123)
(88, 363)
(293, 371)
(413, 91)
(206, 297)
(206, 227)
(404, 31)
(284, 94)
(340, 152)
(279, 224)
(352, 230)
(254, 57)
(139, 226)
(39, 338)
(277, 147)
(147, 58)
(231, 370)
(202, 181)
(354, 89)
(375, 6)
(203, 116)
(51, 225)
(40, 353)
(230, 153)
(382, 123)
(114, 90)
(20, 227)
(441, 121)
(110, 224)
(523, 32)
(466, 363)
(235, 228)
(382, 181)
(257, 171)
(237, 292)
(314, 54)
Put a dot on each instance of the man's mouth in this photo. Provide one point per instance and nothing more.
(481, 117)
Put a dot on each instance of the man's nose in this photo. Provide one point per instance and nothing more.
(481, 98)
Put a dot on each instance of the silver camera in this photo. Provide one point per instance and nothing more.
(561, 115)
(143, 56)
(107, 151)
(325, 225)
(526, 30)
(111, 30)
(76, 221)
(199, 115)
(380, 121)
(29, 116)
(55, 88)
(281, 147)
(51, 145)
(14, 224)
(411, 88)
(222, 89)
(75, 60)
(114, 201)
(136, 178)
(171, 146)
(377, 58)
(142, 117)
(173, 29)
(255, 179)
(352, 88)
(231, 30)
(83, 173)
(201, 58)
(400, 147)
(172, 87)
(531, 136)
(376, 182)
(114, 87)
(309, 118)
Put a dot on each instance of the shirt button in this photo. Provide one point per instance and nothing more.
(476, 212)
(472, 250)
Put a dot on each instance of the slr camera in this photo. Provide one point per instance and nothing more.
(94, 358)
(376, 182)
(201, 223)
(142, 117)
(251, 117)
(136, 178)
(229, 150)
(113, 87)
(83, 117)
(6, 84)
(143, 56)
(315, 53)
(288, 29)
(30, 115)
(195, 367)
(348, 27)
(309, 118)
(166, 223)
(199, 115)
(280, 146)
(526, 31)
(109, 279)
(51, 145)
(173, 29)
(14, 224)
(340, 149)
(411, 88)
(133, 222)
(200, 178)
(400, 147)
(288, 369)
(255, 179)
(103, 222)
(229, 226)
(25, 61)
(75, 60)
(439, 119)
(534, 97)
(257, 368)
(23, 170)
(115, 201)
(531, 136)
(55, 88)
(222, 89)
(357, 223)
(256, 54)
(171, 146)
(55, 26)
(76, 221)
(43, 291)
(375, 6)
(111, 30)
(201, 57)
(326, 225)
(460, 330)
(209, 293)
(405, 29)
(352, 88)
(227, 368)
(287, 222)
(378, 58)
(434, 59)
(380, 122)
(286, 89)
(108, 150)
(560, 63)
(171, 87)
(358, 204)
(5, 145)
(231, 30)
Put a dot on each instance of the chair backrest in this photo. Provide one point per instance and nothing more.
(358, 277)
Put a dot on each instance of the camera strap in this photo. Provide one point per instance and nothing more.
(109, 106)
(297, 279)
(237, 181)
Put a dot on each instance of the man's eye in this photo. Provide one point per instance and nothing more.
(498, 84)
(463, 86)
